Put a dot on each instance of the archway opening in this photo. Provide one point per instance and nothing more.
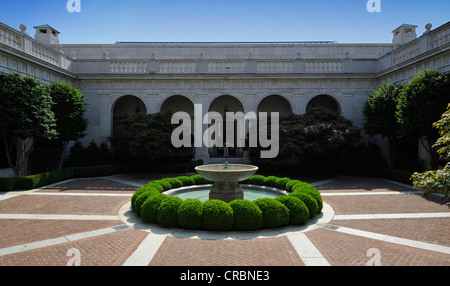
(127, 106)
(222, 105)
(324, 101)
(275, 103)
(178, 103)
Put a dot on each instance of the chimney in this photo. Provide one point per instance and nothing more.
(404, 34)
(46, 35)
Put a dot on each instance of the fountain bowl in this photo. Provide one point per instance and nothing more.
(234, 172)
(226, 178)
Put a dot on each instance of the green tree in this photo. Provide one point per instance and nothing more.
(147, 135)
(69, 108)
(25, 114)
(317, 136)
(379, 115)
(421, 102)
(438, 180)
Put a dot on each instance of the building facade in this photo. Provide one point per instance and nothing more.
(286, 77)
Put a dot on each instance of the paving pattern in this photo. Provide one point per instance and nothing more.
(369, 221)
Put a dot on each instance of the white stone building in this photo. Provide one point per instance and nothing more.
(289, 77)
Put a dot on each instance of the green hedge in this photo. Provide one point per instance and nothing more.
(247, 215)
(309, 201)
(39, 180)
(190, 214)
(168, 212)
(275, 214)
(149, 209)
(217, 215)
(303, 203)
(298, 212)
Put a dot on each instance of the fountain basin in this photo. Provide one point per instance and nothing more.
(226, 180)
(234, 173)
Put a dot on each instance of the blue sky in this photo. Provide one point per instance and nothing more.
(108, 21)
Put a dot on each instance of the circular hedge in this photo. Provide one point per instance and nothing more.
(190, 214)
(217, 215)
(153, 206)
(247, 215)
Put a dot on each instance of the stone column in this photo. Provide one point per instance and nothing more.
(200, 152)
(105, 124)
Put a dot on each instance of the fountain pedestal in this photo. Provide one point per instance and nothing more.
(226, 180)
(226, 192)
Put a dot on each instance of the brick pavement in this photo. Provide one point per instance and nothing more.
(116, 245)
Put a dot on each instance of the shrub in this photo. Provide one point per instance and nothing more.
(190, 214)
(140, 191)
(298, 212)
(155, 185)
(271, 181)
(142, 198)
(217, 215)
(7, 184)
(313, 192)
(275, 214)
(309, 201)
(247, 215)
(199, 180)
(290, 185)
(164, 184)
(149, 209)
(168, 212)
(27, 182)
(187, 181)
(281, 182)
(174, 183)
(257, 180)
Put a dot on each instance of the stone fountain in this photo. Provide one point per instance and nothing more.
(226, 178)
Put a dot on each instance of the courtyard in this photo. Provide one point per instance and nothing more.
(88, 222)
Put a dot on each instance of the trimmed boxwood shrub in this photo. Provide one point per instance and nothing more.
(155, 185)
(217, 215)
(168, 212)
(298, 212)
(281, 182)
(140, 191)
(290, 185)
(199, 180)
(190, 214)
(187, 181)
(164, 184)
(313, 192)
(271, 181)
(275, 214)
(149, 209)
(309, 201)
(174, 183)
(247, 215)
(143, 197)
(256, 180)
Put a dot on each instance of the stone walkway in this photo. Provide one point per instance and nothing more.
(365, 221)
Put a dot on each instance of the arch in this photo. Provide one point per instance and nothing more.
(325, 101)
(275, 103)
(220, 103)
(127, 105)
(223, 104)
(177, 103)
